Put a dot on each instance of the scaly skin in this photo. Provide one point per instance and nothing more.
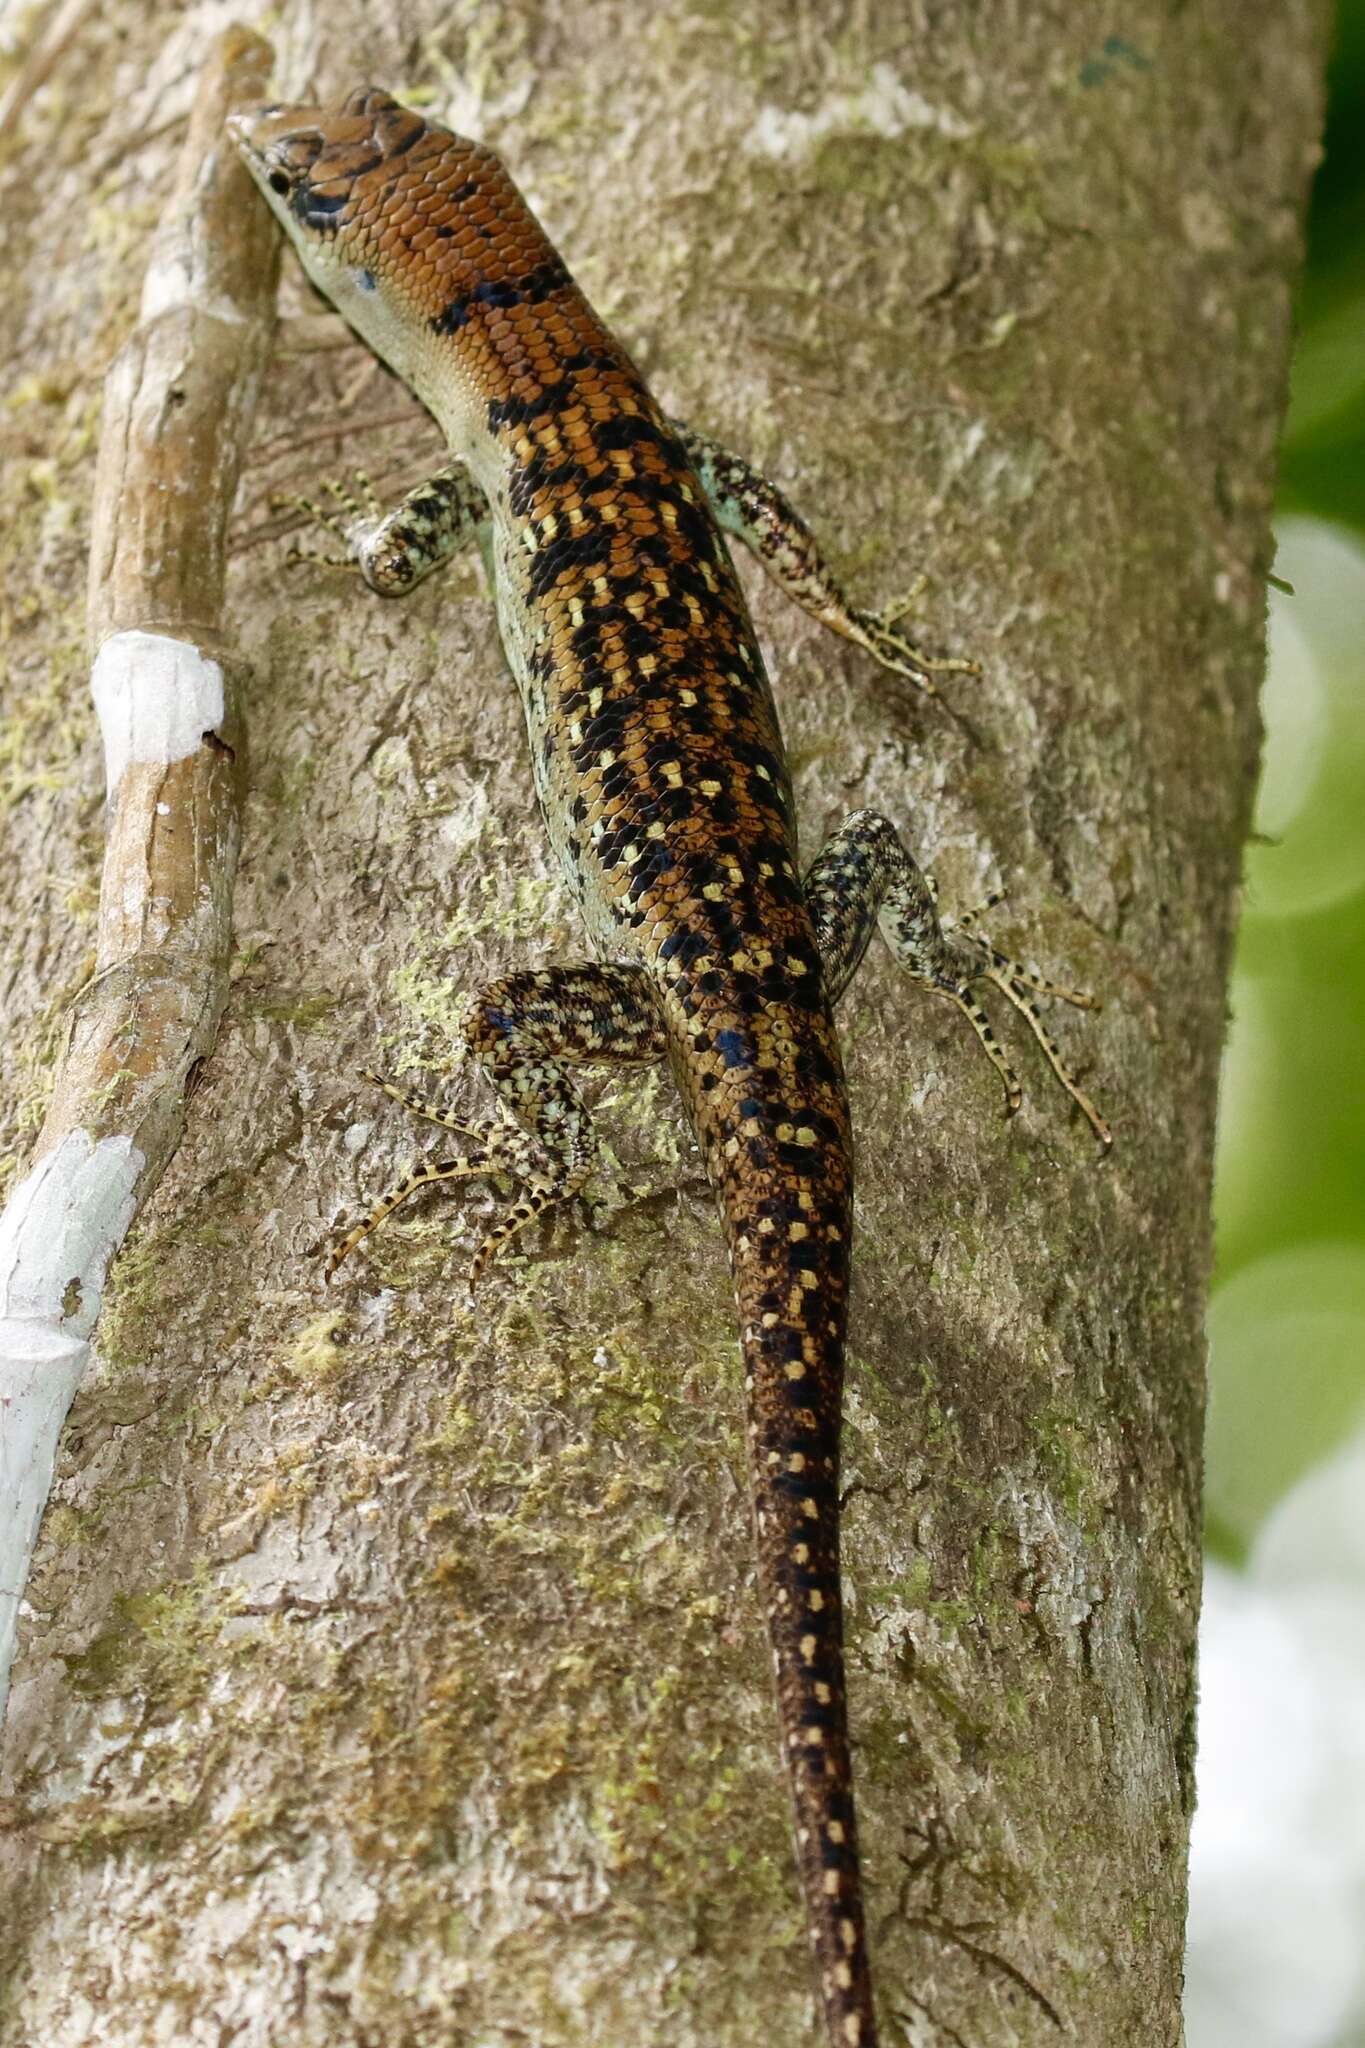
(660, 771)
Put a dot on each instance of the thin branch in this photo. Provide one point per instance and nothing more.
(178, 407)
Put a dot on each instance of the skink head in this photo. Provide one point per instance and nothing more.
(392, 215)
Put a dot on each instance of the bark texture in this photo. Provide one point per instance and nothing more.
(395, 1673)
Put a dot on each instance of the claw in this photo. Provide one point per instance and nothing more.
(876, 632)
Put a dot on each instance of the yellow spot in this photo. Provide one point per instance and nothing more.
(843, 1977)
(769, 1318)
(795, 1370)
(797, 1230)
(595, 698)
(796, 1462)
(801, 1555)
(606, 759)
(655, 831)
(713, 892)
(808, 1649)
(822, 1691)
(709, 786)
(549, 526)
(647, 664)
(835, 1830)
(684, 696)
(804, 1135)
(816, 1601)
(833, 1882)
(672, 774)
(807, 1278)
(810, 1510)
(784, 1134)
(848, 1934)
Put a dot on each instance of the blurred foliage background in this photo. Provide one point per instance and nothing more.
(1277, 1918)
(1290, 1181)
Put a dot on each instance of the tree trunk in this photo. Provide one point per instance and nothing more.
(394, 1673)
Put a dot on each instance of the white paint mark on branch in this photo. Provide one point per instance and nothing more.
(59, 1230)
(156, 698)
(174, 281)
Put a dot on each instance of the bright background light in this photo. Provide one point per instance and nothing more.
(1276, 1955)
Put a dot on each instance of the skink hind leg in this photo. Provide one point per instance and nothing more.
(523, 1031)
(756, 512)
(395, 550)
(865, 878)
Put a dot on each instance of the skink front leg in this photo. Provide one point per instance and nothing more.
(756, 512)
(394, 551)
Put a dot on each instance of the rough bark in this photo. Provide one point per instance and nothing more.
(396, 1674)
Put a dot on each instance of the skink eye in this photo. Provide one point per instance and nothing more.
(278, 182)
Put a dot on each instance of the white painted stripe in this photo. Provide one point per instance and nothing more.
(156, 698)
(59, 1230)
(174, 279)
